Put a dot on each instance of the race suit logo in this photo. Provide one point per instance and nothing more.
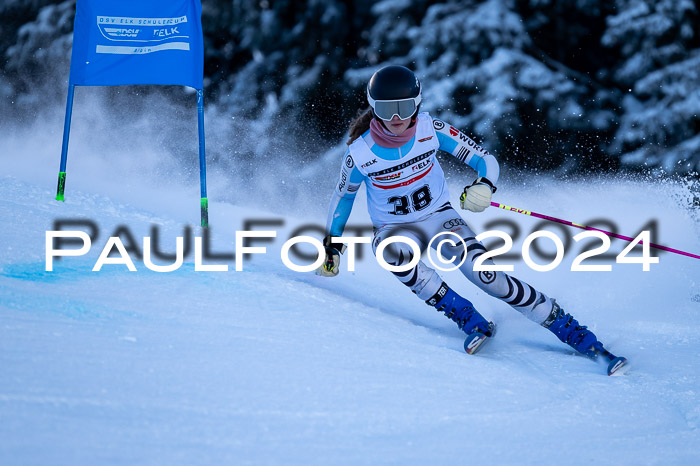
(453, 223)
(421, 165)
(132, 36)
(473, 144)
(388, 177)
(487, 277)
(402, 166)
(343, 180)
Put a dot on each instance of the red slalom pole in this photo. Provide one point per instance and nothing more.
(584, 227)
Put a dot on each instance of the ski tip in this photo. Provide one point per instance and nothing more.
(473, 342)
(616, 364)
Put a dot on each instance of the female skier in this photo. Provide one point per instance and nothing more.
(392, 148)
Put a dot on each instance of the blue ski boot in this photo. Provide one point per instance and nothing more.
(468, 319)
(568, 330)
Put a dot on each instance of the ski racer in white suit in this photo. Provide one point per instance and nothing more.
(392, 149)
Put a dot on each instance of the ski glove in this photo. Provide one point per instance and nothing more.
(329, 268)
(477, 196)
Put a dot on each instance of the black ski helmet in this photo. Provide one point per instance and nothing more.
(394, 82)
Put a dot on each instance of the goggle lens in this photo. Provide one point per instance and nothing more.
(386, 109)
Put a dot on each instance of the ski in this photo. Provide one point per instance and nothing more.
(474, 341)
(615, 363)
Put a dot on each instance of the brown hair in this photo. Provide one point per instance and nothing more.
(360, 124)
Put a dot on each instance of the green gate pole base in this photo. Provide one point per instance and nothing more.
(61, 186)
(205, 212)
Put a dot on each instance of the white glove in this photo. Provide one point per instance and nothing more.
(329, 268)
(477, 196)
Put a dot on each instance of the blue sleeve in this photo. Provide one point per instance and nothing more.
(343, 197)
(338, 214)
(466, 150)
(446, 143)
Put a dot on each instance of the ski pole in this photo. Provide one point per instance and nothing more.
(584, 227)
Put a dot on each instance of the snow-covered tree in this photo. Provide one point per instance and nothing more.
(544, 83)
(289, 52)
(659, 42)
(40, 53)
(477, 65)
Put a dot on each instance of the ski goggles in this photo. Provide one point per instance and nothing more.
(386, 109)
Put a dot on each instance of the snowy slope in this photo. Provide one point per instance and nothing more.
(271, 366)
